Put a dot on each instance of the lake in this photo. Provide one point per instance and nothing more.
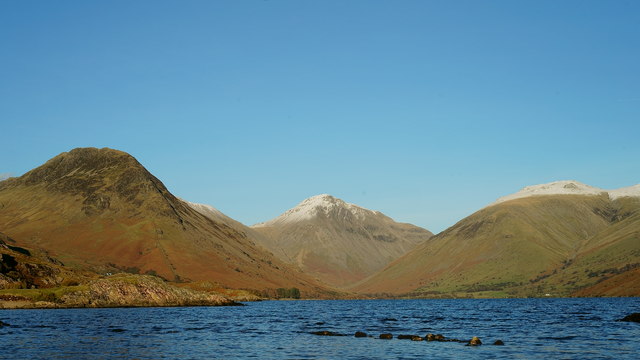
(530, 329)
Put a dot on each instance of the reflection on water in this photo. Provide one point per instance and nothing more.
(530, 328)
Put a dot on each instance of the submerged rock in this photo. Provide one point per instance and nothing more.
(360, 334)
(635, 317)
(327, 333)
(386, 336)
(2, 324)
(498, 342)
(405, 337)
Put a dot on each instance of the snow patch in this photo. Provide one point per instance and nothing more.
(631, 191)
(569, 187)
(206, 210)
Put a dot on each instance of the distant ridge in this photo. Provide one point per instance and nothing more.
(569, 187)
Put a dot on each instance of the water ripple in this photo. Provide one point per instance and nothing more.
(531, 329)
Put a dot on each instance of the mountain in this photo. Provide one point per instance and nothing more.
(338, 242)
(100, 209)
(561, 238)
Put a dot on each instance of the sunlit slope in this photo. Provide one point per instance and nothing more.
(503, 248)
(609, 263)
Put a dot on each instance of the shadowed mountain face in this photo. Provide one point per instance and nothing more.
(337, 242)
(101, 209)
(557, 244)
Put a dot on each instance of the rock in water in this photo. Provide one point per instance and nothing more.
(3, 324)
(360, 334)
(416, 338)
(498, 342)
(635, 317)
(405, 337)
(327, 333)
(386, 336)
(475, 341)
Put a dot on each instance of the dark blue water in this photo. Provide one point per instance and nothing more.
(530, 328)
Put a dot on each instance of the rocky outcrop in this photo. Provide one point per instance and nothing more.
(19, 268)
(138, 290)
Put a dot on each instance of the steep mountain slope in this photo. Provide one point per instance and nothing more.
(340, 243)
(101, 209)
(609, 263)
(520, 244)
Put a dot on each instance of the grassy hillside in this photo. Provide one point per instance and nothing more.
(526, 247)
(608, 264)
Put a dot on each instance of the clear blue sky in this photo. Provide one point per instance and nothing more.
(424, 110)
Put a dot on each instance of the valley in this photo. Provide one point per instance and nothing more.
(92, 219)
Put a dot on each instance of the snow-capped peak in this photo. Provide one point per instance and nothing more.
(631, 191)
(569, 187)
(316, 205)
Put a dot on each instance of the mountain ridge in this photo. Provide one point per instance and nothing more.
(100, 209)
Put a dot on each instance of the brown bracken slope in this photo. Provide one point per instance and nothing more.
(100, 209)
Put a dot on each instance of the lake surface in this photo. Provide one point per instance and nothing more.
(530, 328)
